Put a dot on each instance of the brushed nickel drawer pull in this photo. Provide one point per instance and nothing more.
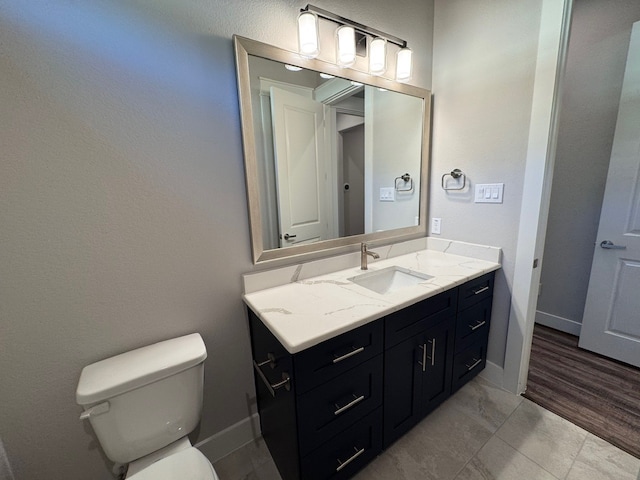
(483, 289)
(271, 361)
(342, 464)
(477, 326)
(285, 382)
(475, 364)
(355, 401)
(355, 351)
(423, 363)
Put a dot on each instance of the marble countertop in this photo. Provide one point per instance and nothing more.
(305, 312)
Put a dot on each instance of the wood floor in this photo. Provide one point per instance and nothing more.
(594, 392)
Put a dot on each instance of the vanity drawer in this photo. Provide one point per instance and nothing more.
(475, 291)
(473, 324)
(342, 456)
(335, 356)
(413, 319)
(468, 363)
(332, 407)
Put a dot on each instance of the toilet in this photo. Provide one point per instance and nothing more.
(142, 405)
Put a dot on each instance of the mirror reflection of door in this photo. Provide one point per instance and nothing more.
(301, 170)
(291, 212)
(350, 131)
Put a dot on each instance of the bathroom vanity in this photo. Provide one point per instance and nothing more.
(343, 371)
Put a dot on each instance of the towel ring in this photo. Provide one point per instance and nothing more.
(406, 178)
(455, 173)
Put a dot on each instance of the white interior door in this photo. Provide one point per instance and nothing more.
(301, 170)
(611, 322)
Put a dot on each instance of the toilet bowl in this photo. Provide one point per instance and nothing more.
(189, 464)
(142, 405)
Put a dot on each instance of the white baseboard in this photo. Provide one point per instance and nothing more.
(223, 443)
(559, 323)
(493, 373)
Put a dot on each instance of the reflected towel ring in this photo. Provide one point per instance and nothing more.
(455, 173)
(406, 178)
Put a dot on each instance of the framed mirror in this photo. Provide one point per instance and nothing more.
(333, 156)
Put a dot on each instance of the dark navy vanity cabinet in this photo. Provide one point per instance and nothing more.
(329, 410)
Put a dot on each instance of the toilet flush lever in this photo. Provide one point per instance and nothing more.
(98, 409)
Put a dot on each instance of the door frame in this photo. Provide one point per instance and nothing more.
(555, 23)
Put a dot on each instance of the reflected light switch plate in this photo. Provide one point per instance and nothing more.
(387, 194)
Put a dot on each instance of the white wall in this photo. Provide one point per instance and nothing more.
(483, 76)
(393, 147)
(595, 69)
(122, 200)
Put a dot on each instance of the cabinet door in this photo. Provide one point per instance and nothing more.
(402, 388)
(277, 409)
(437, 352)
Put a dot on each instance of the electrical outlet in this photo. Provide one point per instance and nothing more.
(435, 225)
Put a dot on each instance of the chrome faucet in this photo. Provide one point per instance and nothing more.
(363, 256)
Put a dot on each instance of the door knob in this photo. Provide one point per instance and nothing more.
(609, 245)
(287, 236)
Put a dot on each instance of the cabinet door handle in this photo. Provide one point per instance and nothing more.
(355, 351)
(355, 401)
(285, 382)
(483, 289)
(423, 363)
(342, 464)
(478, 325)
(474, 365)
(433, 351)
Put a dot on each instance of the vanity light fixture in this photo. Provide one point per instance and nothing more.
(326, 76)
(292, 68)
(377, 56)
(404, 65)
(348, 36)
(308, 42)
(346, 46)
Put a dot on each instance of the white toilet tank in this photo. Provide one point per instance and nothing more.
(145, 399)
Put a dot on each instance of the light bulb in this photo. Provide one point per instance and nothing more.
(404, 65)
(377, 56)
(308, 44)
(346, 45)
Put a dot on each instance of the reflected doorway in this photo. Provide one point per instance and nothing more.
(351, 155)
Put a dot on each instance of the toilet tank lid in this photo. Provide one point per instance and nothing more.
(122, 373)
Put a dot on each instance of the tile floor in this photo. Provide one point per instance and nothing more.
(480, 433)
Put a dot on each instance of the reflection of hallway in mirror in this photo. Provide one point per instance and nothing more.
(351, 147)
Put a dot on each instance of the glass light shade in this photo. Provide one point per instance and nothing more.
(377, 56)
(308, 44)
(404, 66)
(346, 46)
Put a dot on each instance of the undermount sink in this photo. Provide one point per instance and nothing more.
(389, 279)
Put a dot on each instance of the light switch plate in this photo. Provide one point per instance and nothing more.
(387, 194)
(489, 192)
